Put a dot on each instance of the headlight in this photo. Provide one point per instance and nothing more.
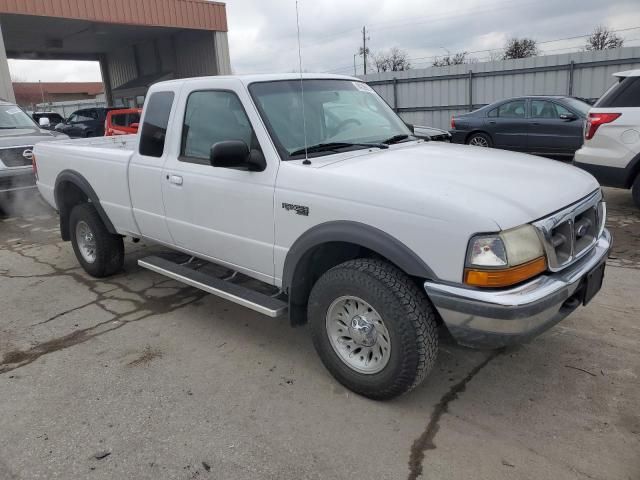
(506, 258)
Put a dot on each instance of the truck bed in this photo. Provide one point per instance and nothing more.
(103, 161)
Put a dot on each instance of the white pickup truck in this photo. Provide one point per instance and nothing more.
(315, 188)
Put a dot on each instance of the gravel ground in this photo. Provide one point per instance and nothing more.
(140, 377)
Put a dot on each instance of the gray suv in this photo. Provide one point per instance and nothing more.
(18, 134)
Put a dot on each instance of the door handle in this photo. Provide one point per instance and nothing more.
(175, 179)
(492, 122)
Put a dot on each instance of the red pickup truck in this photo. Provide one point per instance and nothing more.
(122, 122)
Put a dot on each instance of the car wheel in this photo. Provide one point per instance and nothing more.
(479, 140)
(373, 329)
(99, 252)
(635, 191)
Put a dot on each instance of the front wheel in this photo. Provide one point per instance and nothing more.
(99, 252)
(373, 329)
(479, 140)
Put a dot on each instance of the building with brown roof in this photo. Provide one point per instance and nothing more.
(29, 94)
(136, 42)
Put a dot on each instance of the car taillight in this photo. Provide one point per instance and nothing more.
(34, 165)
(453, 123)
(595, 120)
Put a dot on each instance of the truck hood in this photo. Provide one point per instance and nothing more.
(27, 136)
(506, 187)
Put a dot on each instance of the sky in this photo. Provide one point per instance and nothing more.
(263, 34)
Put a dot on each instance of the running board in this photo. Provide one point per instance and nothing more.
(259, 302)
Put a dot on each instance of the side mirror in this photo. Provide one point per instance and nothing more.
(236, 154)
(44, 122)
(567, 116)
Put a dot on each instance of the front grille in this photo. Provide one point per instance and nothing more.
(570, 233)
(14, 156)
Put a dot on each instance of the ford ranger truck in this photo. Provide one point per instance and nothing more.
(308, 196)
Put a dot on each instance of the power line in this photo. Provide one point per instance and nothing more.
(488, 50)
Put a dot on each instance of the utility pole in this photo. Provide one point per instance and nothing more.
(364, 47)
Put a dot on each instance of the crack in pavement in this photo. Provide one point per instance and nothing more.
(426, 441)
(147, 305)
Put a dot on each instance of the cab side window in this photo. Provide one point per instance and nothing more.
(212, 117)
(156, 120)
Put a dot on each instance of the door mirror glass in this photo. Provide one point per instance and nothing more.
(44, 122)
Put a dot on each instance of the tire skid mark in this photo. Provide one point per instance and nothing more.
(426, 441)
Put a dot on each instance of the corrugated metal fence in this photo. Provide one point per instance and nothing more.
(430, 96)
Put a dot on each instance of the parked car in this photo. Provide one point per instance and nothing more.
(122, 122)
(364, 232)
(431, 133)
(545, 125)
(18, 134)
(611, 150)
(52, 119)
(88, 122)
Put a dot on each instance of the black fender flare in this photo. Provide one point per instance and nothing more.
(72, 177)
(359, 234)
(297, 285)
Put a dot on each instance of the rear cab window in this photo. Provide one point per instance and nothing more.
(626, 93)
(154, 129)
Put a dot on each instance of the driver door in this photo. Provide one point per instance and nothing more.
(221, 213)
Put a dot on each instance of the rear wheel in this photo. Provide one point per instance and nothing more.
(479, 140)
(372, 327)
(635, 191)
(99, 252)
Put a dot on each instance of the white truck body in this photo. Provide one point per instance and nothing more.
(428, 199)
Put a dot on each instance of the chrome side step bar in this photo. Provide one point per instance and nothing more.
(259, 302)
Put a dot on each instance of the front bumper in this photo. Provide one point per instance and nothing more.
(496, 318)
(16, 179)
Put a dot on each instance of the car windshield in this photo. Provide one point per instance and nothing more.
(13, 117)
(579, 105)
(338, 114)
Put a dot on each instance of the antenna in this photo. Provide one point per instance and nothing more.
(304, 118)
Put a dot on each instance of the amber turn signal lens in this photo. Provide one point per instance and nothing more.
(504, 277)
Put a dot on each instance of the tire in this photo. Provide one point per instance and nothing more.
(635, 191)
(480, 140)
(107, 248)
(382, 292)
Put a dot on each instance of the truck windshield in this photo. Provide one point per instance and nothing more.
(338, 115)
(13, 117)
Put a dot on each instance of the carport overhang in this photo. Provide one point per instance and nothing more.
(133, 41)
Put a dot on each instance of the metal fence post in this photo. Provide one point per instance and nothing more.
(395, 94)
(572, 67)
(470, 90)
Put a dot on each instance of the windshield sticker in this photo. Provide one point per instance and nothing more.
(13, 111)
(363, 87)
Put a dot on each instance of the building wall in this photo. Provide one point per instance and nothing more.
(188, 53)
(430, 96)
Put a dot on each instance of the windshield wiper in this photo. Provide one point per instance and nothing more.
(395, 139)
(327, 147)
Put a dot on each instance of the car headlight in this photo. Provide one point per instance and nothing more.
(505, 258)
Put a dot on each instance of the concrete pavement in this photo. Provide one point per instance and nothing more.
(139, 377)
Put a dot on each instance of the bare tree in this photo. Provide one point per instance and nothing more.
(520, 48)
(393, 60)
(456, 59)
(603, 39)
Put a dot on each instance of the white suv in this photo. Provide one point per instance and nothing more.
(611, 150)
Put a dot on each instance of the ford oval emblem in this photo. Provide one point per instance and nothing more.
(28, 154)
